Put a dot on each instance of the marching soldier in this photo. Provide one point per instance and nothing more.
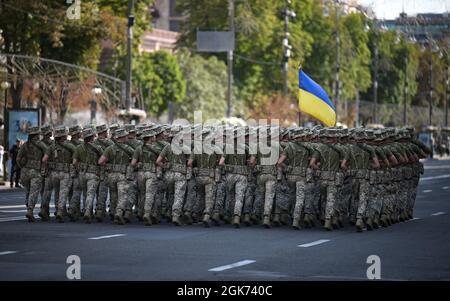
(29, 159)
(75, 195)
(59, 159)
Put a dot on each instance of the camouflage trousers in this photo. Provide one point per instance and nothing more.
(46, 194)
(148, 186)
(133, 191)
(249, 198)
(32, 181)
(344, 197)
(192, 201)
(206, 189)
(75, 198)
(312, 197)
(102, 195)
(362, 198)
(267, 186)
(284, 196)
(61, 182)
(300, 188)
(89, 183)
(236, 187)
(220, 205)
(118, 190)
(329, 190)
(388, 195)
(178, 181)
(413, 193)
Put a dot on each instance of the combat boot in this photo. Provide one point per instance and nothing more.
(87, 217)
(147, 219)
(266, 222)
(236, 221)
(311, 220)
(327, 225)
(376, 223)
(307, 221)
(296, 224)
(384, 221)
(154, 218)
(176, 220)
(247, 220)
(334, 222)
(254, 219)
(216, 218)
(276, 220)
(369, 224)
(128, 216)
(410, 214)
(44, 216)
(99, 216)
(341, 221)
(60, 216)
(118, 218)
(206, 220)
(30, 215)
(359, 225)
(188, 217)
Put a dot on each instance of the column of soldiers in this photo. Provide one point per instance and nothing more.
(320, 176)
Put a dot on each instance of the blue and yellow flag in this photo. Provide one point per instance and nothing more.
(314, 101)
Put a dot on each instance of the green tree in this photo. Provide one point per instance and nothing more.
(206, 86)
(161, 79)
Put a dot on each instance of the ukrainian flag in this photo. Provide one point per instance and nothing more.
(314, 101)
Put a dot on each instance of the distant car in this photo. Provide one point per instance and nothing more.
(427, 139)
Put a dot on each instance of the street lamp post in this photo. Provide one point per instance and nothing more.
(405, 100)
(5, 86)
(430, 97)
(287, 48)
(447, 94)
(129, 52)
(338, 41)
(230, 60)
(95, 91)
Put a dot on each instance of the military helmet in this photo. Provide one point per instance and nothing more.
(120, 133)
(76, 129)
(147, 133)
(101, 128)
(113, 127)
(46, 129)
(88, 132)
(60, 131)
(130, 128)
(33, 130)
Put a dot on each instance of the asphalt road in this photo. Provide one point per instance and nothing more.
(415, 250)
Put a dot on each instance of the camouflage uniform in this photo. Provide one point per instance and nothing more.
(46, 188)
(87, 154)
(60, 167)
(133, 193)
(119, 156)
(29, 159)
(75, 192)
(175, 175)
(331, 177)
(237, 171)
(147, 180)
(102, 192)
(298, 173)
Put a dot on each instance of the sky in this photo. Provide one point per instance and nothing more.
(390, 9)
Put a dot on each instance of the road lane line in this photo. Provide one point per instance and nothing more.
(434, 178)
(446, 187)
(7, 252)
(427, 190)
(21, 206)
(438, 213)
(15, 218)
(106, 236)
(314, 243)
(13, 211)
(437, 167)
(233, 265)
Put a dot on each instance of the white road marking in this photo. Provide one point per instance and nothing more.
(438, 213)
(7, 252)
(434, 178)
(15, 218)
(437, 167)
(314, 243)
(233, 265)
(13, 211)
(446, 187)
(428, 190)
(21, 206)
(106, 236)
